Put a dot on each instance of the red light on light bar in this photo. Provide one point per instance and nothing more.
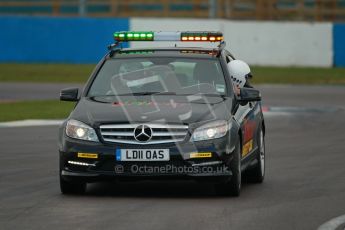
(212, 38)
(184, 38)
(191, 38)
(204, 38)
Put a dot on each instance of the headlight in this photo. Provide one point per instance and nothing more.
(210, 130)
(79, 130)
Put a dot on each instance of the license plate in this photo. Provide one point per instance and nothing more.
(142, 155)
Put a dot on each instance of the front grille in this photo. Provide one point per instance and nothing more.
(160, 133)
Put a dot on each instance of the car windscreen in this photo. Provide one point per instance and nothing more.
(151, 75)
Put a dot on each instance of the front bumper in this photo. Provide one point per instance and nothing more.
(180, 165)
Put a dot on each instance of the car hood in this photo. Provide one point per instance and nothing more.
(154, 108)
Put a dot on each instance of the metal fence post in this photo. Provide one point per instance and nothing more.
(82, 8)
(212, 8)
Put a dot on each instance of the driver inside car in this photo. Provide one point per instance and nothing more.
(240, 74)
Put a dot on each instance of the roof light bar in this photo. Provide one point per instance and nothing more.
(188, 36)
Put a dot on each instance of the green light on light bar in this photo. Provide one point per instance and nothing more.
(134, 36)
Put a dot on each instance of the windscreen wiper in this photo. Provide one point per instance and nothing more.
(147, 93)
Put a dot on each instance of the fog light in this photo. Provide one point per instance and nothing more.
(80, 163)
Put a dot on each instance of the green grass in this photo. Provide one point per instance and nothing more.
(293, 75)
(80, 73)
(50, 109)
(45, 72)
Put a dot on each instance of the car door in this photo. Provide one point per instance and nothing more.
(248, 116)
(249, 119)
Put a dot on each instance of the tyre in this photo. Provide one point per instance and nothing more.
(72, 187)
(233, 186)
(257, 174)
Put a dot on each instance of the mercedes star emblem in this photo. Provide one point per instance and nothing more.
(143, 133)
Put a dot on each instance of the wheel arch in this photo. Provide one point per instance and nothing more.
(240, 136)
(235, 135)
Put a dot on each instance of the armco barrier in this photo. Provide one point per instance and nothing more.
(339, 44)
(64, 40)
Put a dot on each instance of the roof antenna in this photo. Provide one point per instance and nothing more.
(113, 48)
(114, 45)
(175, 45)
(222, 45)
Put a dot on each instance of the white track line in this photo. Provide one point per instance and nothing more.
(275, 114)
(272, 112)
(333, 223)
(27, 123)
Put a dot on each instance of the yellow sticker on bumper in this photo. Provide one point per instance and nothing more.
(88, 155)
(200, 155)
(247, 147)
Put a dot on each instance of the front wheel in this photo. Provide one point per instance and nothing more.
(233, 186)
(257, 174)
(72, 187)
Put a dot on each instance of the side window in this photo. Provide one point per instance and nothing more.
(229, 58)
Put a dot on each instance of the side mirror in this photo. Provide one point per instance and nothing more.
(70, 94)
(249, 94)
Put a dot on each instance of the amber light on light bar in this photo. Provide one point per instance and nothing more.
(198, 38)
(202, 36)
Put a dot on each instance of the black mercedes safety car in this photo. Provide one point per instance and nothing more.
(162, 113)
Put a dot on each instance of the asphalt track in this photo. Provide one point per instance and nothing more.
(304, 187)
(10, 91)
